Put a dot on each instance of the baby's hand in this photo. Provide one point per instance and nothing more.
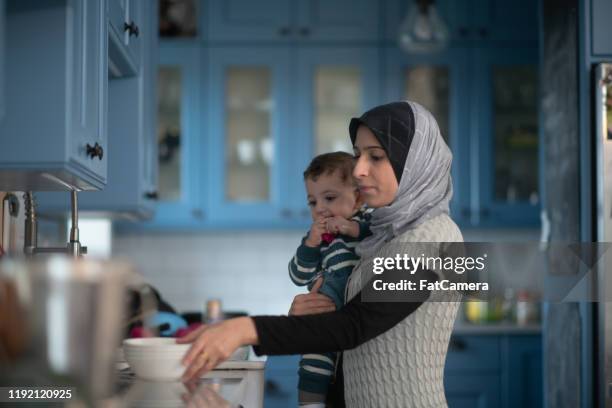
(340, 225)
(316, 231)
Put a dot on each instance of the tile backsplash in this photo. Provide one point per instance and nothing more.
(246, 269)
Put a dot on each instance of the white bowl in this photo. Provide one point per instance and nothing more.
(159, 358)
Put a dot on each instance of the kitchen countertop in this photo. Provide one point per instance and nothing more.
(501, 328)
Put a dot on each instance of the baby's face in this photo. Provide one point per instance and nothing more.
(329, 196)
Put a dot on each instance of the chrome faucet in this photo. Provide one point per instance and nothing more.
(30, 245)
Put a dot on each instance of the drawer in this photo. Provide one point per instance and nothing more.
(473, 354)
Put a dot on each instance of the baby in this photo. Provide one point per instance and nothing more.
(328, 252)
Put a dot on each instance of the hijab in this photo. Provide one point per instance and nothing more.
(421, 162)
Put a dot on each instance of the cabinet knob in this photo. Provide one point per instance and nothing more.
(466, 212)
(304, 31)
(485, 212)
(94, 151)
(131, 28)
(483, 32)
(456, 344)
(463, 31)
(151, 195)
(284, 31)
(197, 213)
(286, 213)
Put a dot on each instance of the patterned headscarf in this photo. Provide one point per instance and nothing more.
(421, 161)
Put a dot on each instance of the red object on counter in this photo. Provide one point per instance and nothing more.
(327, 237)
(186, 330)
(139, 331)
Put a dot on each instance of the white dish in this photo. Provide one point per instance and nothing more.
(159, 359)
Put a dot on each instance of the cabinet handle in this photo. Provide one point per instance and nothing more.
(94, 151)
(284, 31)
(485, 212)
(304, 31)
(456, 344)
(466, 212)
(151, 195)
(464, 31)
(286, 213)
(483, 32)
(132, 28)
(197, 213)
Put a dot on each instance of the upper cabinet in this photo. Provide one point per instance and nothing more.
(125, 36)
(284, 21)
(474, 21)
(601, 29)
(63, 85)
(2, 58)
(132, 133)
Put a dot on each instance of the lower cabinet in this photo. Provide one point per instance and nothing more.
(490, 371)
(472, 391)
(281, 379)
(482, 371)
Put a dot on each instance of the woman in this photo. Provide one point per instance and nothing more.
(396, 350)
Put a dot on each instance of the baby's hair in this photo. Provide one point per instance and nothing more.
(329, 163)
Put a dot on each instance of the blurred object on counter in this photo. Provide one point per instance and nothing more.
(213, 312)
(197, 317)
(73, 310)
(185, 331)
(166, 323)
(527, 308)
(478, 311)
(13, 331)
(509, 306)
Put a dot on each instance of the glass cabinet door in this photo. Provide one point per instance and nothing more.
(248, 102)
(508, 148)
(177, 106)
(333, 86)
(434, 81)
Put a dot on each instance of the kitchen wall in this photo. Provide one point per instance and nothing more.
(246, 269)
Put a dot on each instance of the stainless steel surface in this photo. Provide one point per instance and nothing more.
(604, 225)
(30, 246)
(74, 311)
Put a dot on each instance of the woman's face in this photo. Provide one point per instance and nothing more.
(373, 171)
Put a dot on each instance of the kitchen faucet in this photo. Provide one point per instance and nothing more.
(30, 245)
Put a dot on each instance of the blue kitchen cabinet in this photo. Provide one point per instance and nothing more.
(281, 379)
(63, 85)
(125, 36)
(132, 128)
(470, 22)
(601, 29)
(472, 391)
(179, 165)
(438, 82)
(332, 86)
(502, 21)
(247, 21)
(248, 136)
(2, 58)
(504, 115)
(494, 370)
(523, 382)
(283, 21)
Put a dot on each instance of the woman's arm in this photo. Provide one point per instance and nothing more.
(344, 329)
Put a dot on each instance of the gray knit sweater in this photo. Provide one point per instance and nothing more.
(404, 367)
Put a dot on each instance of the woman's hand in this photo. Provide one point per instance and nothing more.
(213, 344)
(312, 303)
